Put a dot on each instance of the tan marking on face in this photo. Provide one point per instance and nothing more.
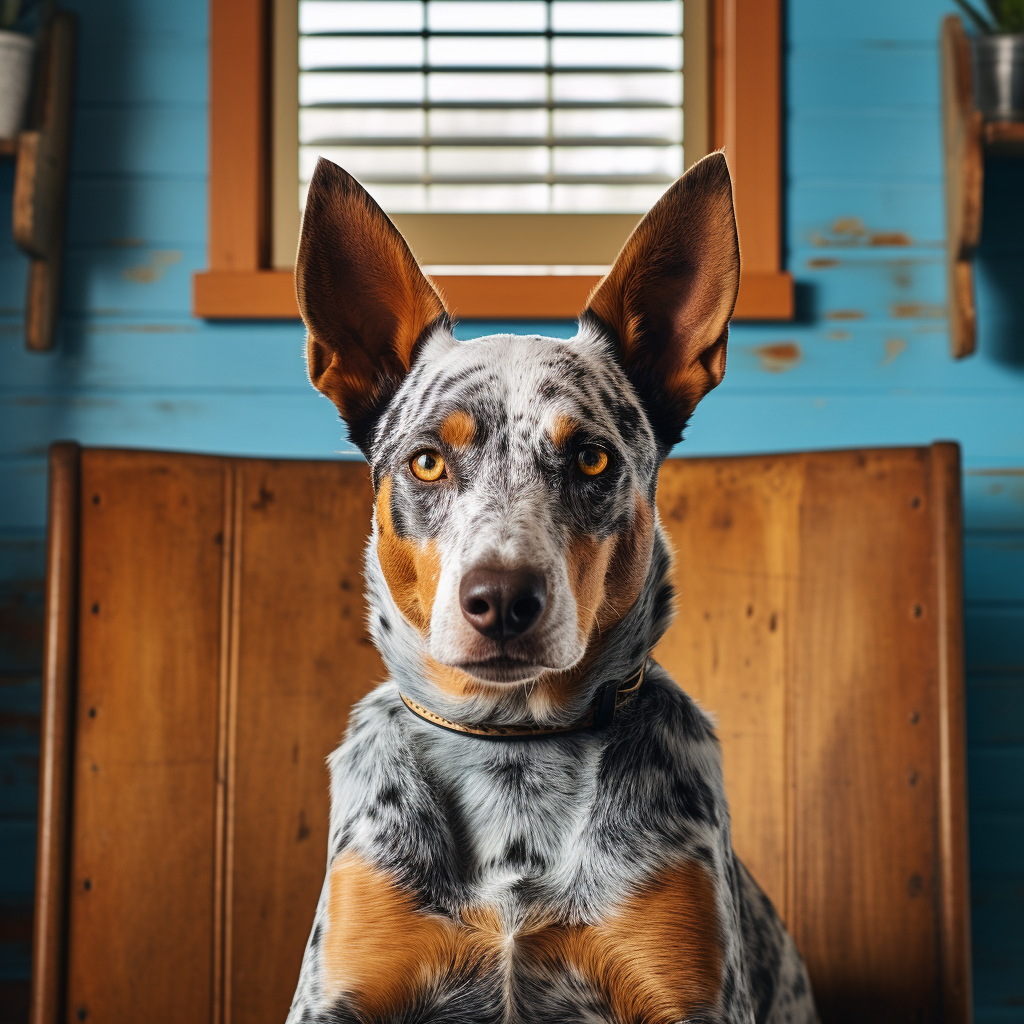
(606, 578)
(451, 680)
(562, 430)
(628, 568)
(382, 951)
(657, 959)
(411, 568)
(458, 429)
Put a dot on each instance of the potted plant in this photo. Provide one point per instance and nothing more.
(998, 50)
(15, 70)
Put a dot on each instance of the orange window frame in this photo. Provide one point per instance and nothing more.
(746, 72)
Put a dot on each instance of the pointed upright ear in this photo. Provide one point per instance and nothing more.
(669, 296)
(364, 299)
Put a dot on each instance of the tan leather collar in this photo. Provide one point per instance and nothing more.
(609, 699)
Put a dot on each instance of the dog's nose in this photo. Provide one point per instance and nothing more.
(502, 602)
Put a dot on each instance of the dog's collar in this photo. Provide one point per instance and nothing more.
(609, 699)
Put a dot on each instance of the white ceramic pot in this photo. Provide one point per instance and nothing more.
(15, 80)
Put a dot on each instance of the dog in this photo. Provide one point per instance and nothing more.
(528, 820)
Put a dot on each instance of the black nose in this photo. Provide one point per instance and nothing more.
(502, 602)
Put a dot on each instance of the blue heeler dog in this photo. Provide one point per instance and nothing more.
(528, 822)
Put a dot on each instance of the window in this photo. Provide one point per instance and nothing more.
(515, 143)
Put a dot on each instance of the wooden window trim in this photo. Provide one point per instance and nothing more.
(746, 111)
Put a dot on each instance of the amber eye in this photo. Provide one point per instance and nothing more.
(427, 466)
(592, 461)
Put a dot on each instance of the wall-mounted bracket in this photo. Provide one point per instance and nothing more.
(42, 153)
(967, 139)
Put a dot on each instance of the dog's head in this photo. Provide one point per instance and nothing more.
(515, 534)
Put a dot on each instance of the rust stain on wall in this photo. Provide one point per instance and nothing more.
(822, 263)
(154, 269)
(778, 357)
(839, 335)
(852, 232)
(844, 314)
(894, 348)
(913, 310)
(887, 238)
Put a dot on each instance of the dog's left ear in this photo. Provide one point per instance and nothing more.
(669, 297)
(363, 297)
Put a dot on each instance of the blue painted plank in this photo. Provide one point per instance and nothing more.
(267, 423)
(137, 20)
(997, 921)
(129, 68)
(996, 779)
(128, 213)
(838, 75)
(21, 640)
(23, 482)
(844, 215)
(730, 420)
(882, 143)
(125, 282)
(22, 554)
(994, 639)
(176, 353)
(989, 427)
(1003, 213)
(17, 860)
(997, 844)
(152, 141)
(871, 23)
(908, 354)
(994, 567)
(995, 710)
(19, 778)
(994, 499)
(13, 279)
(898, 285)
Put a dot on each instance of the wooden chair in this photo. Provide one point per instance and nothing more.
(206, 638)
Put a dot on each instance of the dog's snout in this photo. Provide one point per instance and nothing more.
(502, 602)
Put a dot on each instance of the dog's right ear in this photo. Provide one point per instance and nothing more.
(362, 296)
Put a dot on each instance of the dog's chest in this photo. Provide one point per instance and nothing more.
(527, 812)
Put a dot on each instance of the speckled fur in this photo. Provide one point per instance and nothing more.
(560, 830)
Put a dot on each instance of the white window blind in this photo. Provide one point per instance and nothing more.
(495, 106)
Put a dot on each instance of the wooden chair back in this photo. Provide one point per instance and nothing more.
(206, 637)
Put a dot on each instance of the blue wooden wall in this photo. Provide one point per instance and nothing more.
(866, 364)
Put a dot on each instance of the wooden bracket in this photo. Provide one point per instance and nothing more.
(41, 181)
(966, 141)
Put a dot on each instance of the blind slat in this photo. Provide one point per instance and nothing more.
(494, 105)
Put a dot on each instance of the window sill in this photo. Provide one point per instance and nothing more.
(270, 295)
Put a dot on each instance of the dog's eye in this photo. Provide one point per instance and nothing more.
(592, 461)
(427, 466)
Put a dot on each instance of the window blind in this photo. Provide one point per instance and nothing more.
(495, 106)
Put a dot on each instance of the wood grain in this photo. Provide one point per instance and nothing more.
(270, 294)
(821, 626)
(142, 867)
(239, 161)
(41, 181)
(304, 657)
(749, 91)
(962, 152)
(56, 729)
(223, 641)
